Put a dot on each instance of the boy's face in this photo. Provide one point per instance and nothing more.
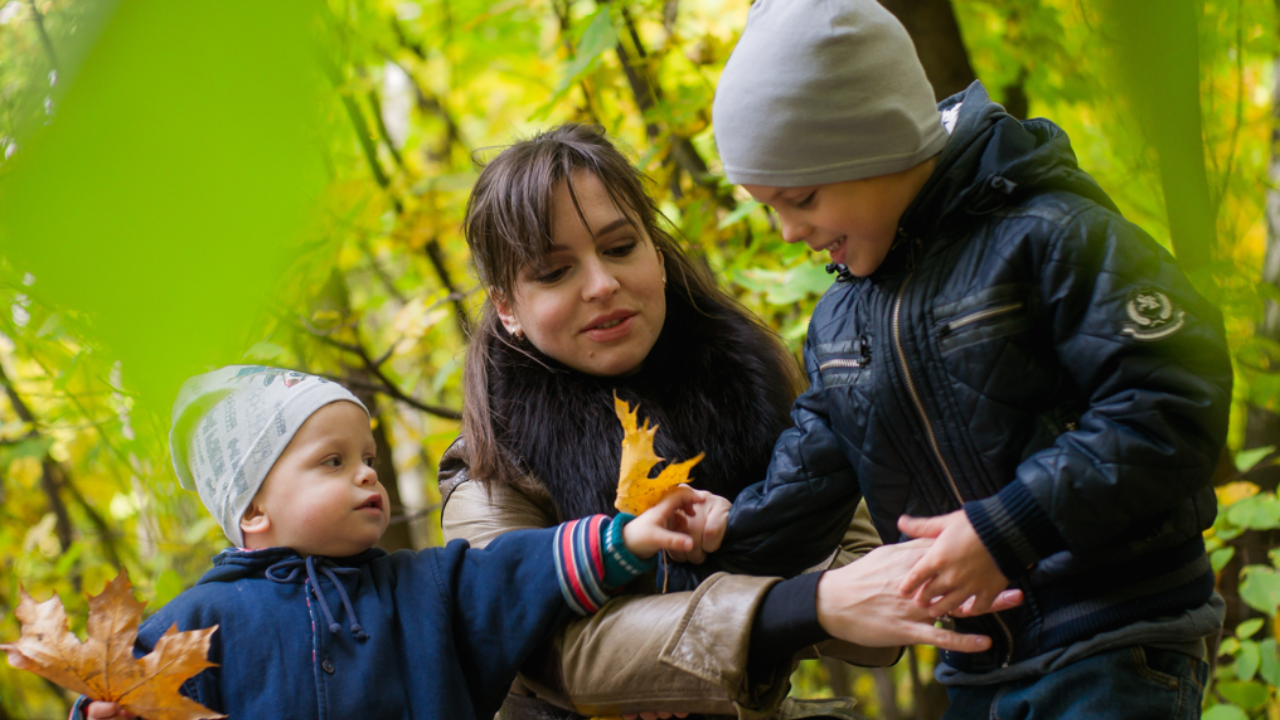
(322, 496)
(856, 221)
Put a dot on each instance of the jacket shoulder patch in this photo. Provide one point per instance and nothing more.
(1151, 315)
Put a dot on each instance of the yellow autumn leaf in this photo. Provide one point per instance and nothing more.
(1233, 492)
(637, 491)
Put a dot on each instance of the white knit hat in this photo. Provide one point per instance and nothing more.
(823, 91)
(230, 426)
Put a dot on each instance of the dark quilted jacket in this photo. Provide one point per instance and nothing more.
(1029, 355)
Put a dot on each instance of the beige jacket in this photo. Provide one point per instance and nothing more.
(685, 651)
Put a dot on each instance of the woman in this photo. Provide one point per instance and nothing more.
(589, 296)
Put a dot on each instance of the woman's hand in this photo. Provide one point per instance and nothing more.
(99, 710)
(860, 603)
(650, 531)
(705, 525)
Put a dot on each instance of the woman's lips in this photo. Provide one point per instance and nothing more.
(616, 332)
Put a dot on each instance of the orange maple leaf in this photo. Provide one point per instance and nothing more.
(103, 666)
(637, 491)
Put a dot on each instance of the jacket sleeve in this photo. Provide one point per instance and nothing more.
(1149, 355)
(640, 652)
(797, 515)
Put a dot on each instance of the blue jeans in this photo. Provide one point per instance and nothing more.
(1132, 683)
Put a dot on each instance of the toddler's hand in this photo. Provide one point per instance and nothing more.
(956, 568)
(705, 525)
(649, 532)
(99, 710)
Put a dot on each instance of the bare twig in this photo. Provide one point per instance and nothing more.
(44, 34)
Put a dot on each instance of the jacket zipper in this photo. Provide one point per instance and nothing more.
(842, 363)
(982, 315)
(928, 427)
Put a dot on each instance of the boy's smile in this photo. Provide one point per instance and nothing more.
(856, 221)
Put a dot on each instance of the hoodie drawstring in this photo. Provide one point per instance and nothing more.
(294, 565)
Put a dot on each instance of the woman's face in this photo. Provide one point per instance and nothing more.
(597, 302)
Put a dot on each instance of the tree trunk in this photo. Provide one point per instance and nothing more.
(936, 34)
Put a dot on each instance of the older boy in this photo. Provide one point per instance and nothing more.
(1006, 365)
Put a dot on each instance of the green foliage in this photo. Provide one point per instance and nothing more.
(206, 184)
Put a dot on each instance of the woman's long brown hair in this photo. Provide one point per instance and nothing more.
(508, 227)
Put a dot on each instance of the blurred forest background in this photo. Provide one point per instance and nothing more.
(378, 291)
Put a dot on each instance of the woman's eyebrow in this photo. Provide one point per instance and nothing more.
(620, 222)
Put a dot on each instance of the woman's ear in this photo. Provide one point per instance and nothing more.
(254, 524)
(505, 312)
(662, 263)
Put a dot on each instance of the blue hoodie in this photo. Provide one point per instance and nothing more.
(434, 634)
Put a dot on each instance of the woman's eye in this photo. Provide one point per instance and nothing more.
(807, 201)
(551, 275)
(621, 250)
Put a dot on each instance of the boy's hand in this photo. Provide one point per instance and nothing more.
(705, 525)
(99, 710)
(957, 567)
(649, 532)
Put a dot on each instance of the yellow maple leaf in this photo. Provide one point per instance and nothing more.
(637, 491)
(103, 666)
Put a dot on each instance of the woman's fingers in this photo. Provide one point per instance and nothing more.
(952, 640)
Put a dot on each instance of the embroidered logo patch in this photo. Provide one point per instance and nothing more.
(1152, 315)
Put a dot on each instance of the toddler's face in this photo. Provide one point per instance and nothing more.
(322, 496)
(855, 221)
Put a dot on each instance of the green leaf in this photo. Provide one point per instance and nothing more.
(1260, 588)
(1269, 661)
(1220, 557)
(1248, 695)
(1249, 628)
(739, 213)
(599, 36)
(1260, 512)
(1228, 647)
(1247, 663)
(1246, 459)
(1224, 712)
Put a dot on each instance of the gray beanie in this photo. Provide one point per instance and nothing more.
(822, 91)
(230, 426)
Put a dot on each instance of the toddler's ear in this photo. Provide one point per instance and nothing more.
(254, 523)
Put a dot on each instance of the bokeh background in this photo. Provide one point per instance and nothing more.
(186, 185)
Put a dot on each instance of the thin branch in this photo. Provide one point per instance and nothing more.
(436, 255)
(384, 385)
(44, 34)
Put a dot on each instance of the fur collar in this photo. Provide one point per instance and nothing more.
(710, 383)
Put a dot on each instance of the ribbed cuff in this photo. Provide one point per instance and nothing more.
(80, 710)
(579, 557)
(785, 623)
(620, 566)
(1014, 529)
(592, 560)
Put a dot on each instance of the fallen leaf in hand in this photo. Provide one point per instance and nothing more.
(637, 491)
(103, 666)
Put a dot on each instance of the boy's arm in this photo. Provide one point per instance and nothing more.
(797, 515)
(1150, 356)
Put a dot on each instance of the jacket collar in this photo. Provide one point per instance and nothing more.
(991, 160)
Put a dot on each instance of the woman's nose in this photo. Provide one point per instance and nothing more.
(600, 282)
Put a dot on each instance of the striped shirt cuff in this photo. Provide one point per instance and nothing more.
(1014, 529)
(592, 560)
